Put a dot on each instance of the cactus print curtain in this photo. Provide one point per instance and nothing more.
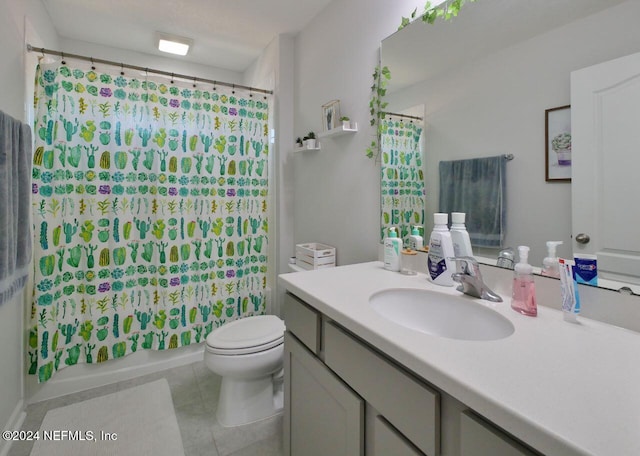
(402, 181)
(149, 211)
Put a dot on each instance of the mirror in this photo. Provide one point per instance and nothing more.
(486, 79)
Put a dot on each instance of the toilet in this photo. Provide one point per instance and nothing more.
(248, 355)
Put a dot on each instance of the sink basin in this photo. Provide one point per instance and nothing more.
(438, 314)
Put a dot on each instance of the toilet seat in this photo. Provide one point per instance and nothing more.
(247, 335)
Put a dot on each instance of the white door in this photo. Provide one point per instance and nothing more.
(605, 127)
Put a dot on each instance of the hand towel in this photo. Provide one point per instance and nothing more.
(15, 188)
(477, 187)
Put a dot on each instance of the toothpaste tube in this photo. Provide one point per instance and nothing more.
(586, 269)
(569, 287)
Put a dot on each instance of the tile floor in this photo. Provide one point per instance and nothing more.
(194, 389)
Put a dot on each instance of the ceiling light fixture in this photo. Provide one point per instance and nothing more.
(174, 44)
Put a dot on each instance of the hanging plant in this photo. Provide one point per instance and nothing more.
(381, 76)
(447, 10)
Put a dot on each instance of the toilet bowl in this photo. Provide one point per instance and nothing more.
(248, 355)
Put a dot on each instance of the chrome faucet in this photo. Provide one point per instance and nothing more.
(470, 279)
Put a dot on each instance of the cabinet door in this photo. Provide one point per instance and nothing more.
(323, 416)
(478, 438)
(388, 441)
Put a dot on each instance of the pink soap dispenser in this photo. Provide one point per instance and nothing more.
(523, 298)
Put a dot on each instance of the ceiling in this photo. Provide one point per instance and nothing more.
(227, 34)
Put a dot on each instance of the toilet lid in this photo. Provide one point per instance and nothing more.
(247, 335)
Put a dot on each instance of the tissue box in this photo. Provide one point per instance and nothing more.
(314, 255)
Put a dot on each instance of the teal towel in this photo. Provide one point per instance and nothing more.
(476, 187)
(15, 188)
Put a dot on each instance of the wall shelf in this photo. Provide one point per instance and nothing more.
(303, 148)
(339, 131)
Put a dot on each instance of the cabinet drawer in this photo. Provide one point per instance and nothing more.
(479, 438)
(409, 405)
(303, 322)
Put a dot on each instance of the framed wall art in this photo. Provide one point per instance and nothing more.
(330, 115)
(558, 144)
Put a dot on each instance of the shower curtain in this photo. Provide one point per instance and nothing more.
(149, 211)
(402, 179)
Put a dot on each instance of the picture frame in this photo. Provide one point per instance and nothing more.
(557, 134)
(330, 115)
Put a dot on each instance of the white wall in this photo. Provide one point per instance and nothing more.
(336, 191)
(496, 105)
(17, 16)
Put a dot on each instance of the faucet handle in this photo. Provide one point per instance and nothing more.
(468, 265)
(470, 279)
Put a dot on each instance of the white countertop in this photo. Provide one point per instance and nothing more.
(565, 389)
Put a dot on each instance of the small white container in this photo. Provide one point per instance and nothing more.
(314, 255)
(310, 267)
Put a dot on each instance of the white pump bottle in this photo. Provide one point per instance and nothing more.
(459, 235)
(550, 266)
(439, 261)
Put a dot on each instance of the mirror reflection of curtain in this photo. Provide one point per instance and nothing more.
(402, 179)
(149, 208)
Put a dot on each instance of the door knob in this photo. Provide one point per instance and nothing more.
(582, 238)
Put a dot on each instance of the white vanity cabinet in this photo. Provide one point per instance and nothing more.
(331, 378)
(343, 397)
(479, 438)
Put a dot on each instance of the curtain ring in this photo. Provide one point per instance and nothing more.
(121, 69)
(250, 92)
(93, 66)
(233, 88)
(194, 82)
(62, 61)
(42, 50)
(214, 85)
(171, 78)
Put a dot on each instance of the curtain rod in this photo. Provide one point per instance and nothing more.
(402, 115)
(148, 70)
